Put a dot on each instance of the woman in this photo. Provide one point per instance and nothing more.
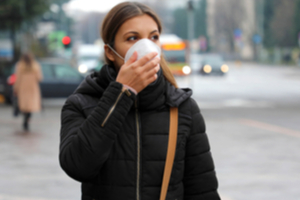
(26, 87)
(114, 128)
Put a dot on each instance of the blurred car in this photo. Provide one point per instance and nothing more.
(59, 79)
(213, 64)
(84, 70)
(88, 57)
(5, 89)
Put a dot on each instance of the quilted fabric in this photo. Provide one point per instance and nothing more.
(124, 157)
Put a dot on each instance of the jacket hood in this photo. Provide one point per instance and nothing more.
(89, 86)
(175, 96)
(155, 95)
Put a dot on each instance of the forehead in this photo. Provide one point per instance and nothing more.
(142, 23)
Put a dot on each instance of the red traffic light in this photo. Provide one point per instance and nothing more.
(66, 40)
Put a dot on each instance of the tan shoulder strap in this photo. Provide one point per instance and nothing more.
(171, 151)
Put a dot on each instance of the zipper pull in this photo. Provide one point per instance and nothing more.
(126, 91)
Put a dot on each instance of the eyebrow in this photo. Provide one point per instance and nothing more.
(134, 32)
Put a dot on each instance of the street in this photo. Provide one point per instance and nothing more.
(253, 123)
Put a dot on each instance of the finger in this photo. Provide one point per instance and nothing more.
(132, 58)
(151, 79)
(151, 64)
(157, 68)
(152, 72)
(145, 59)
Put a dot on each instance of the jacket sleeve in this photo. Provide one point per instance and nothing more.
(18, 77)
(85, 143)
(39, 74)
(200, 180)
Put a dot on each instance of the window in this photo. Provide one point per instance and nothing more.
(66, 72)
(47, 71)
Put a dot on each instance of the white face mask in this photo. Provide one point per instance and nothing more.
(142, 47)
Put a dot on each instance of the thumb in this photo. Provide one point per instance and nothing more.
(132, 59)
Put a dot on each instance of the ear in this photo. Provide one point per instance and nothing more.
(109, 53)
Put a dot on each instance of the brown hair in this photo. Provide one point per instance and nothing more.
(28, 60)
(121, 13)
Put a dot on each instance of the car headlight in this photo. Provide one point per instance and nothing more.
(82, 69)
(186, 70)
(207, 69)
(224, 68)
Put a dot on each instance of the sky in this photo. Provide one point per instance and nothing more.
(103, 5)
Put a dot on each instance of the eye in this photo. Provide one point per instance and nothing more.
(155, 37)
(131, 38)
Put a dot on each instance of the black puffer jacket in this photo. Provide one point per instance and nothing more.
(115, 143)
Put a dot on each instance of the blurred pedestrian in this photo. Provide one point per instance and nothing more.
(26, 88)
(115, 127)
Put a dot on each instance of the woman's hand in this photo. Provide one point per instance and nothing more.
(138, 74)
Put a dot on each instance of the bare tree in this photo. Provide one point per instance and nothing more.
(88, 28)
(283, 22)
(229, 16)
(162, 9)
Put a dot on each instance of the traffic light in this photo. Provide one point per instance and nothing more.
(66, 40)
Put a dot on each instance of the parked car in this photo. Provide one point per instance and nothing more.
(59, 79)
(213, 64)
(88, 56)
(86, 71)
(5, 89)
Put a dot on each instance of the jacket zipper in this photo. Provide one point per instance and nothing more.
(114, 106)
(138, 152)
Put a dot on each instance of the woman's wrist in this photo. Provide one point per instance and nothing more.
(130, 88)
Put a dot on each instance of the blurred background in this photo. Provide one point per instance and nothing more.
(240, 57)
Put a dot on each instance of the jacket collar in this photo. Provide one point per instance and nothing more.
(153, 97)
